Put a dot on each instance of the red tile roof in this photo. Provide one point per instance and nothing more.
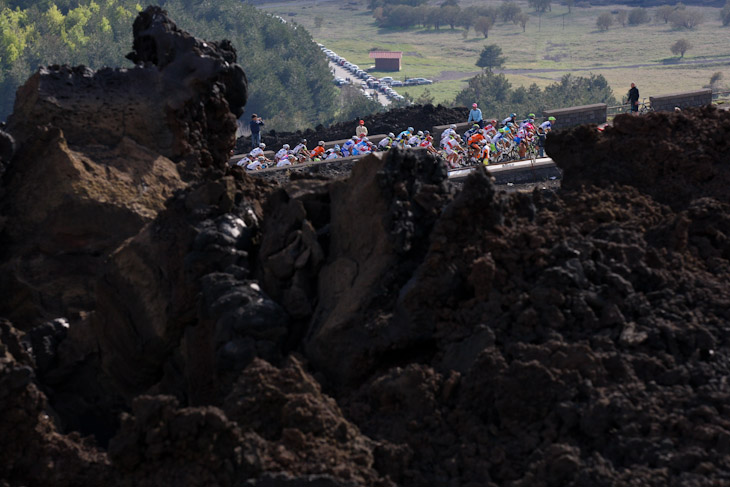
(386, 54)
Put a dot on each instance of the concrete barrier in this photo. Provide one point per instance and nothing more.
(666, 103)
(461, 127)
(568, 117)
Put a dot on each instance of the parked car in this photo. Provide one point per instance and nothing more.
(396, 82)
(386, 79)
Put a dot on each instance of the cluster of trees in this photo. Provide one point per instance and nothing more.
(413, 13)
(496, 97)
(725, 14)
(290, 81)
(677, 15)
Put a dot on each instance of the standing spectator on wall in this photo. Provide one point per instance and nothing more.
(256, 124)
(634, 98)
(361, 130)
(475, 115)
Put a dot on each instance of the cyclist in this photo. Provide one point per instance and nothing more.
(284, 160)
(348, 146)
(427, 143)
(256, 164)
(318, 152)
(387, 142)
(547, 125)
(258, 151)
(445, 134)
(284, 151)
(475, 146)
(453, 148)
(415, 139)
(364, 146)
(510, 119)
(301, 152)
(403, 137)
(474, 129)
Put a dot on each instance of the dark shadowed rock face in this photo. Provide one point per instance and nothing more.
(99, 152)
(675, 157)
(378, 330)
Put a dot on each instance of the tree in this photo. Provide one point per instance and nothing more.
(509, 11)
(687, 19)
(638, 16)
(715, 79)
(539, 5)
(483, 24)
(621, 17)
(318, 19)
(425, 98)
(522, 19)
(604, 21)
(450, 15)
(725, 14)
(491, 57)
(680, 47)
(570, 4)
(664, 13)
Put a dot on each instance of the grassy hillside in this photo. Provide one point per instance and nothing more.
(555, 43)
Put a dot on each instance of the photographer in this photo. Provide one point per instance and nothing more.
(256, 124)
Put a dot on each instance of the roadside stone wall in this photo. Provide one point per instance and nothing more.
(569, 117)
(666, 103)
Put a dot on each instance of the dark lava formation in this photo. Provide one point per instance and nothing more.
(171, 321)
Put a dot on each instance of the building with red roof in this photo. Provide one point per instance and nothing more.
(387, 60)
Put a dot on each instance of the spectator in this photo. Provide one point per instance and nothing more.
(634, 98)
(475, 115)
(361, 130)
(256, 124)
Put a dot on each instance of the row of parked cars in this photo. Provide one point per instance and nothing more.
(383, 85)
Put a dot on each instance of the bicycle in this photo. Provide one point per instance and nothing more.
(645, 107)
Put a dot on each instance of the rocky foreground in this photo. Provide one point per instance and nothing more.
(172, 321)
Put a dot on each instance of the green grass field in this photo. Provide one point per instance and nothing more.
(639, 54)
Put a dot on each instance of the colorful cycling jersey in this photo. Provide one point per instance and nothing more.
(245, 160)
(506, 120)
(299, 148)
(363, 147)
(258, 151)
(254, 165)
(284, 161)
(474, 139)
(414, 141)
(332, 155)
(317, 151)
(427, 142)
(405, 135)
(279, 155)
(386, 142)
(547, 125)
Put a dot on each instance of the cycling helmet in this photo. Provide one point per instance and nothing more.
(426, 132)
(321, 142)
(509, 124)
(530, 115)
(303, 141)
(365, 139)
(493, 122)
(452, 126)
(410, 129)
(354, 137)
(475, 126)
(551, 119)
(285, 146)
(391, 135)
(512, 115)
(262, 145)
(452, 131)
(420, 134)
(337, 146)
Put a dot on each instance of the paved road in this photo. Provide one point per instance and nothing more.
(340, 72)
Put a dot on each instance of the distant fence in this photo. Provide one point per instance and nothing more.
(569, 117)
